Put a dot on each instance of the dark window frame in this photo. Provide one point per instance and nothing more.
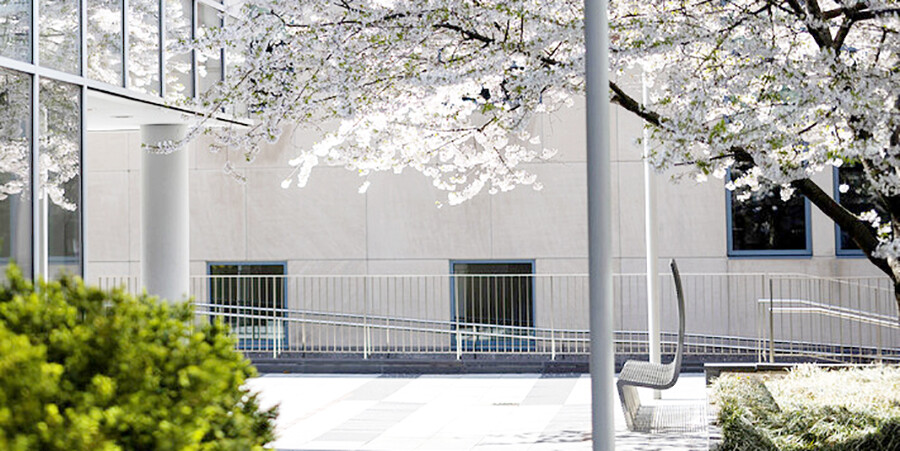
(838, 250)
(262, 344)
(806, 252)
(495, 343)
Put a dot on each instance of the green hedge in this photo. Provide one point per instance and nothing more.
(86, 369)
(864, 414)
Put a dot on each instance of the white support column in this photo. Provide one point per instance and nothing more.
(165, 216)
(596, 37)
(653, 312)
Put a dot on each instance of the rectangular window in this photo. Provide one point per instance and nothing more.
(60, 146)
(143, 46)
(179, 63)
(249, 297)
(105, 41)
(857, 199)
(209, 63)
(60, 43)
(763, 224)
(493, 304)
(15, 29)
(15, 170)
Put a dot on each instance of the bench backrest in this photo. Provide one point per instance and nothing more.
(679, 350)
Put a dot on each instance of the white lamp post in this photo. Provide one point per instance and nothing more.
(596, 38)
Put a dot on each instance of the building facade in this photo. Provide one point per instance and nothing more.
(87, 84)
(397, 226)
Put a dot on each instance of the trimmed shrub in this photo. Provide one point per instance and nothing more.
(86, 369)
(811, 409)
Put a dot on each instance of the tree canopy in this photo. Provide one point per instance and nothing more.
(448, 87)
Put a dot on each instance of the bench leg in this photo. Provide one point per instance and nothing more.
(631, 402)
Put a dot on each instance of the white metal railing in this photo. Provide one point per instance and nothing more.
(846, 319)
(760, 316)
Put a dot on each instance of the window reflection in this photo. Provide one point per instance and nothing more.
(764, 222)
(143, 45)
(209, 64)
(60, 147)
(179, 73)
(234, 60)
(59, 43)
(859, 198)
(15, 169)
(104, 41)
(15, 29)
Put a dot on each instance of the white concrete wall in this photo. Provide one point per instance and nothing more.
(328, 228)
(395, 227)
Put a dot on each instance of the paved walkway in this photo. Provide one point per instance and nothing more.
(470, 412)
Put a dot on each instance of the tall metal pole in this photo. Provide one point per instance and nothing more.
(596, 38)
(653, 309)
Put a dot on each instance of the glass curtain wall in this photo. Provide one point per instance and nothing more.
(179, 61)
(15, 170)
(42, 95)
(60, 148)
(15, 29)
(105, 41)
(59, 41)
(209, 65)
(143, 46)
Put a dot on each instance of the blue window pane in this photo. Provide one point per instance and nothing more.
(763, 223)
(858, 198)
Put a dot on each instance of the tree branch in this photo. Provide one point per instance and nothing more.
(466, 33)
(859, 232)
(622, 99)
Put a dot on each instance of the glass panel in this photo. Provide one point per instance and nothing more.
(234, 60)
(15, 29)
(858, 199)
(105, 41)
(764, 222)
(15, 169)
(60, 43)
(209, 64)
(246, 296)
(143, 46)
(60, 147)
(495, 303)
(179, 71)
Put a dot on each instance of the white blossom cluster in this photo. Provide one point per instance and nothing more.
(798, 86)
(448, 87)
(443, 87)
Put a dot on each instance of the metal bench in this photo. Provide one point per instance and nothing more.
(636, 373)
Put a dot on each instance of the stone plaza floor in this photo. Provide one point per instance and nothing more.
(526, 412)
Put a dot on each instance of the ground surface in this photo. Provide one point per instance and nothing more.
(469, 412)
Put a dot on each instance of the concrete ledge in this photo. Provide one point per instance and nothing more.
(438, 363)
(419, 364)
(714, 370)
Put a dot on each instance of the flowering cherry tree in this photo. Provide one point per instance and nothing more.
(786, 88)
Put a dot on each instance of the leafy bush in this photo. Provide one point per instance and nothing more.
(811, 409)
(85, 369)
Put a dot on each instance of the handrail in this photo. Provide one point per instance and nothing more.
(832, 311)
(730, 312)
